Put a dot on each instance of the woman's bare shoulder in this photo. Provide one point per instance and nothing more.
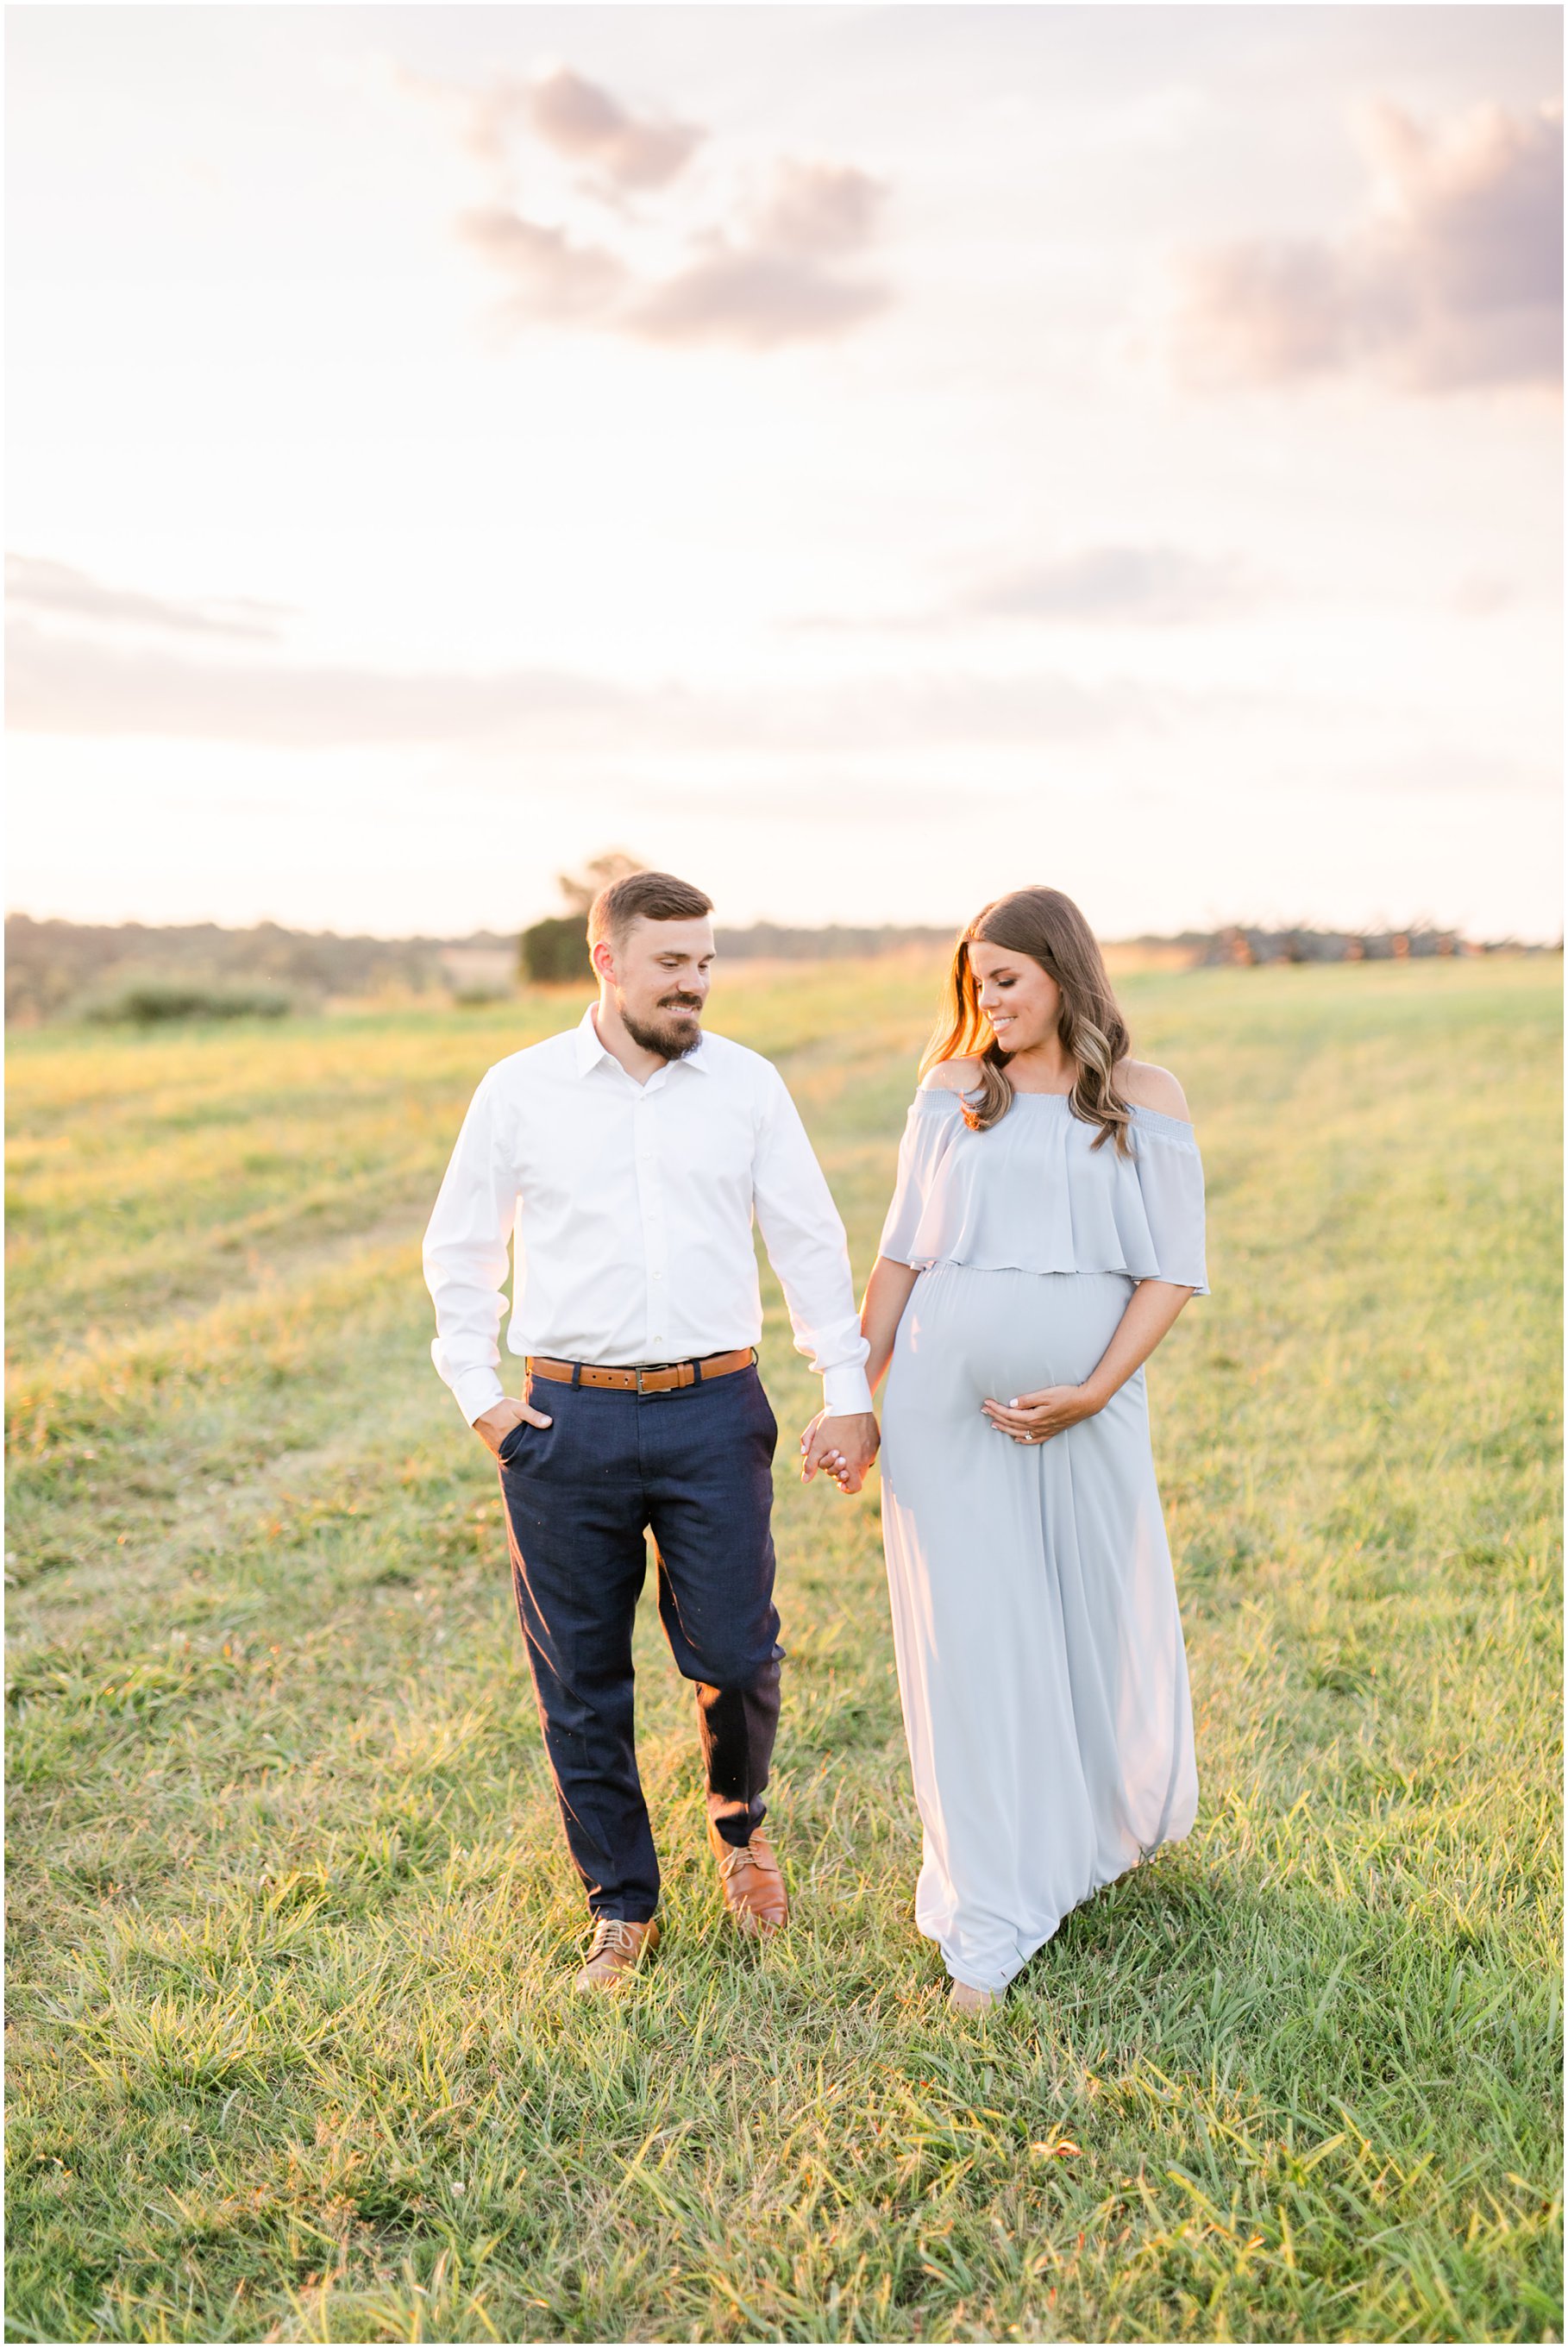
(1146, 1086)
(951, 1076)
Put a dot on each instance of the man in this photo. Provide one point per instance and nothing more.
(625, 1158)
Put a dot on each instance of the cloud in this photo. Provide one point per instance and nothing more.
(82, 686)
(1453, 281)
(1478, 596)
(581, 120)
(772, 280)
(572, 116)
(1158, 586)
(772, 277)
(1090, 586)
(753, 261)
(550, 276)
(755, 299)
(59, 589)
(811, 209)
(56, 685)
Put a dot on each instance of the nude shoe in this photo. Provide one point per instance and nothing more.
(618, 1949)
(964, 1998)
(751, 1882)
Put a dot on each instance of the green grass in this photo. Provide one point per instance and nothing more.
(290, 2054)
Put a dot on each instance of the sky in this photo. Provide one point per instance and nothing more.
(861, 460)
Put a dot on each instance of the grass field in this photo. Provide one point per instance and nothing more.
(290, 2056)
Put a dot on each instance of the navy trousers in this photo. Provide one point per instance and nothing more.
(694, 1467)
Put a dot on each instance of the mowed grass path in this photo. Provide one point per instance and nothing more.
(290, 2053)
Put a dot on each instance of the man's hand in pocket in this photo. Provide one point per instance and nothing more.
(497, 1422)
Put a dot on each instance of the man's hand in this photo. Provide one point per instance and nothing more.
(495, 1425)
(842, 1449)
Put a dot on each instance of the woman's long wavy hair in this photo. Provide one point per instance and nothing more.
(1049, 929)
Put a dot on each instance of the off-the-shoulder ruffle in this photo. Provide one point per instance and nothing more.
(1032, 1195)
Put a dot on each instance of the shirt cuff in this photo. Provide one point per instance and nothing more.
(845, 1391)
(478, 1391)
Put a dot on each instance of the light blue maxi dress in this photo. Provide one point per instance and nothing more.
(1040, 1659)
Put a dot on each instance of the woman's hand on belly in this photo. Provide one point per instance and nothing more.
(1151, 1312)
(1035, 1418)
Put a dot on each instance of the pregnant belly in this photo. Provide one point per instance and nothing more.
(967, 1334)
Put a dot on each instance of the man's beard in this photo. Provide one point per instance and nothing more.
(668, 1042)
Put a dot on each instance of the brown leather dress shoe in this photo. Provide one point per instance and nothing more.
(751, 1881)
(619, 1947)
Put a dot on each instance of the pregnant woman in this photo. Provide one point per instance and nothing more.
(1047, 1230)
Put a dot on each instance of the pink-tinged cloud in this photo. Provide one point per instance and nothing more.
(62, 685)
(1454, 280)
(584, 122)
(768, 265)
(65, 685)
(813, 209)
(59, 591)
(1112, 586)
(774, 275)
(626, 151)
(754, 299)
(1154, 586)
(550, 276)
(1478, 596)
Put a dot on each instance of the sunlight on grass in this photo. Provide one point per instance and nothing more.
(292, 2055)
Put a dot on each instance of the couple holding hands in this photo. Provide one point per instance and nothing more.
(1045, 1231)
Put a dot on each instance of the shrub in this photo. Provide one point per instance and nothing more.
(556, 953)
(146, 1002)
(475, 995)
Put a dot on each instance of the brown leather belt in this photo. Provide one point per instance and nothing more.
(657, 1377)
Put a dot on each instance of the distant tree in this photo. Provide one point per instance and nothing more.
(554, 951)
(578, 889)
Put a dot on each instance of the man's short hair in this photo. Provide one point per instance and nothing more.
(643, 896)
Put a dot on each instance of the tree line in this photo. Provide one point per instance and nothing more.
(134, 972)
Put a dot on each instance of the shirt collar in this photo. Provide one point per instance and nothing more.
(591, 1051)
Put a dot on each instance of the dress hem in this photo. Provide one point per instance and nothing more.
(1101, 1883)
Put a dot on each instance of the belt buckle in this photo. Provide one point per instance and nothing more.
(641, 1368)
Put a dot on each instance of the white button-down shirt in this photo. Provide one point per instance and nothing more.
(629, 1208)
